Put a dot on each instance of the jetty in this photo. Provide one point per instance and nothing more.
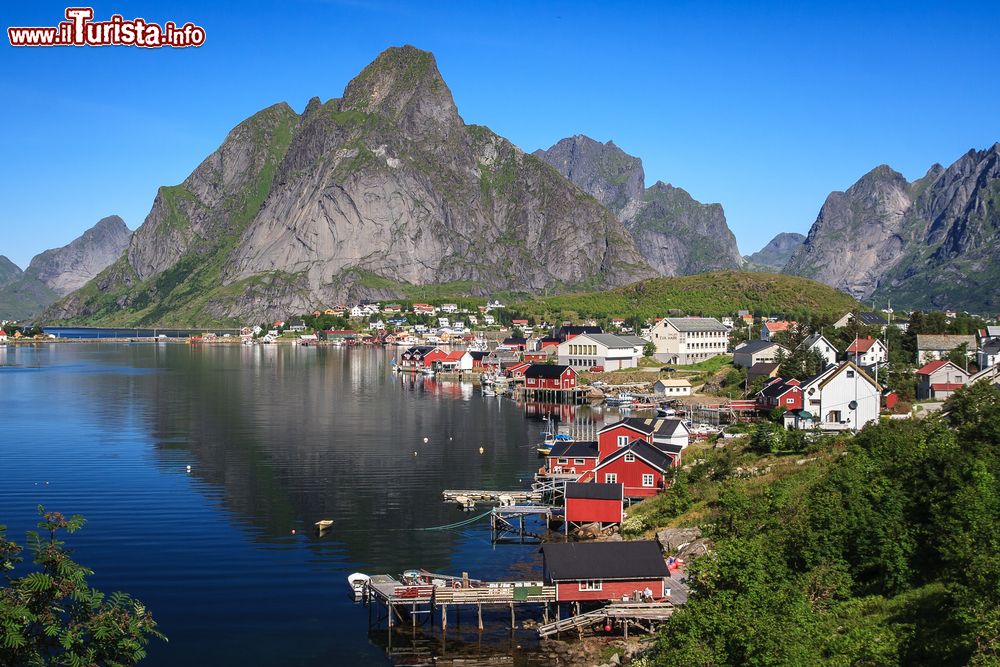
(644, 615)
(464, 496)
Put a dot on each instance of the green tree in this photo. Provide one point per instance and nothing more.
(649, 349)
(51, 616)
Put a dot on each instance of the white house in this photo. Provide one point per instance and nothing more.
(672, 388)
(867, 351)
(606, 350)
(931, 347)
(377, 325)
(770, 328)
(841, 398)
(989, 353)
(357, 312)
(688, 340)
(820, 344)
(449, 307)
(756, 352)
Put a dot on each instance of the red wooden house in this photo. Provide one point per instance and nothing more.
(421, 356)
(594, 503)
(779, 393)
(574, 457)
(477, 358)
(613, 437)
(642, 468)
(549, 376)
(516, 371)
(604, 571)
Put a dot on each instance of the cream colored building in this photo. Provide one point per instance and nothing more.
(689, 340)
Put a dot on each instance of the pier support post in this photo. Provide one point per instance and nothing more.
(388, 611)
(480, 615)
(513, 622)
(444, 616)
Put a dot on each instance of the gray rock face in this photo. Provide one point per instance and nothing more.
(70, 267)
(383, 186)
(21, 296)
(775, 255)
(604, 171)
(676, 234)
(934, 242)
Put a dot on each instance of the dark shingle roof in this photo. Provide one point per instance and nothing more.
(753, 346)
(545, 371)
(650, 453)
(573, 561)
(574, 449)
(593, 491)
(872, 319)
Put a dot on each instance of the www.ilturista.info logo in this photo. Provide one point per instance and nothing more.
(79, 29)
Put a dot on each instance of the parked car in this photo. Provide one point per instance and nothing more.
(667, 369)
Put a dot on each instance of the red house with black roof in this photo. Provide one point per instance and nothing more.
(549, 376)
(604, 571)
(641, 467)
(594, 503)
(573, 457)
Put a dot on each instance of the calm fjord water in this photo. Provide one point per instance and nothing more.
(277, 437)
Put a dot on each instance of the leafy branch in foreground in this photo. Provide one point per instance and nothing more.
(52, 616)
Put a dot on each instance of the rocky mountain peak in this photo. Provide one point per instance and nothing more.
(775, 255)
(404, 85)
(604, 171)
(70, 267)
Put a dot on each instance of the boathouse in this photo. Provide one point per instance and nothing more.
(594, 503)
(420, 356)
(604, 571)
(550, 376)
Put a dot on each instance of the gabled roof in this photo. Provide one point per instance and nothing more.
(515, 340)
(575, 449)
(689, 324)
(810, 341)
(644, 426)
(550, 371)
(862, 345)
(872, 319)
(575, 561)
(834, 371)
(991, 346)
(591, 491)
(762, 368)
(456, 355)
(575, 330)
(654, 456)
(778, 388)
(755, 346)
(657, 426)
(638, 341)
(933, 366)
(775, 327)
(605, 339)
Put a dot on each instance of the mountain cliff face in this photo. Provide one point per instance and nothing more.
(932, 243)
(676, 234)
(775, 255)
(21, 296)
(384, 186)
(68, 268)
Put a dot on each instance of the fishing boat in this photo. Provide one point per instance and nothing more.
(620, 400)
(550, 441)
(488, 391)
(357, 582)
(428, 371)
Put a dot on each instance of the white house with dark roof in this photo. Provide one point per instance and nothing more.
(817, 342)
(931, 347)
(689, 340)
(756, 352)
(841, 398)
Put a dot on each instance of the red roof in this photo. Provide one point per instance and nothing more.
(455, 356)
(862, 345)
(929, 368)
(778, 326)
(947, 386)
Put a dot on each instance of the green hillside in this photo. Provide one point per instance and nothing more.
(709, 294)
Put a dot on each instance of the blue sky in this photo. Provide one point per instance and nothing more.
(764, 109)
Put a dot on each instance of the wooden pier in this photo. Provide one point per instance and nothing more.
(425, 594)
(486, 496)
(644, 615)
(503, 518)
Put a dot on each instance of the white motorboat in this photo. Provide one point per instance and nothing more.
(358, 581)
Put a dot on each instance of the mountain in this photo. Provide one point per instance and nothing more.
(68, 268)
(385, 186)
(21, 295)
(676, 234)
(932, 243)
(775, 255)
(59, 271)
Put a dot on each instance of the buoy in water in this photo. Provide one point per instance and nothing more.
(414, 453)
(425, 439)
(481, 450)
(189, 468)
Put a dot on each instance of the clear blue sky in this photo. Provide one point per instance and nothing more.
(763, 109)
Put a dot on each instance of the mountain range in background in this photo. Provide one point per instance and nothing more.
(387, 189)
(676, 234)
(932, 243)
(59, 271)
(775, 255)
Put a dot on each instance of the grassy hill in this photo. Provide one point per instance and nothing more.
(709, 294)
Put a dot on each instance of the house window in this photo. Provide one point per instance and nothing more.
(611, 478)
(630, 458)
(833, 416)
(790, 401)
(578, 462)
(562, 462)
(622, 440)
(590, 585)
(850, 374)
(647, 480)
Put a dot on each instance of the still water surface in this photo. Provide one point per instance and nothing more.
(277, 437)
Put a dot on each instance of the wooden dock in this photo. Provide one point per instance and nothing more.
(486, 496)
(503, 518)
(427, 593)
(644, 615)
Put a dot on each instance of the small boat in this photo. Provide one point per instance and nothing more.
(357, 582)
(323, 524)
(620, 400)
(550, 441)
(428, 371)
(487, 391)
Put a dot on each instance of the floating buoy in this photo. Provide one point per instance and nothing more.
(607, 628)
(414, 452)
(481, 450)
(189, 468)
(425, 439)
(293, 531)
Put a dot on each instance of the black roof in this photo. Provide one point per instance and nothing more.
(872, 319)
(776, 388)
(515, 340)
(574, 449)
(576, 330)
(545, 371)
(670, 449)
(654, 455)
(753, 346)
(762, 368)
(637, 423)
(591, 491)
(479, 354)
(576, 561)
